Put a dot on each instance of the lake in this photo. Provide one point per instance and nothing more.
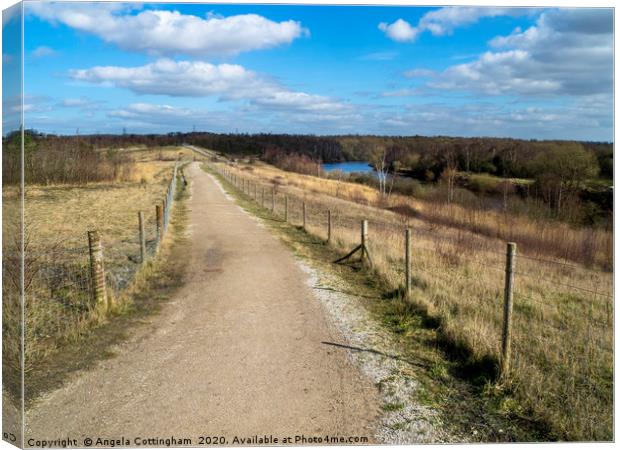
(348, 166)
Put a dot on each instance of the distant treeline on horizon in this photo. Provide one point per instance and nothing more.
(508, 157)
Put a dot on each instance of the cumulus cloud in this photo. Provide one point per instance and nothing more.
(202, 79)
(443, 21)
(560, 54)
(399, 31)
(162, 32)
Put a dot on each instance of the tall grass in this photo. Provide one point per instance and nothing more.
(562, 367)
(542, 237)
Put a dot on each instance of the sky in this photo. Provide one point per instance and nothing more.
(457, 71)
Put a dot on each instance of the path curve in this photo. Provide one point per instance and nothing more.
(236, 352)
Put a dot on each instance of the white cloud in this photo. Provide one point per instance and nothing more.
(43, 51)
(399, 31)
(581, 120)
(443, 21)
(160, 32)
(201, 79)
(559, 55)
(81, 103)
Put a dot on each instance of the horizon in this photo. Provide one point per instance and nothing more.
(521, 73)
(385, 136)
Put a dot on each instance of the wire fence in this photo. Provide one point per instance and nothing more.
(60, 284)
(561, 317)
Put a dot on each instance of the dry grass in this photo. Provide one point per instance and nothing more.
(562, 337)
(58, 304)
(537, 238)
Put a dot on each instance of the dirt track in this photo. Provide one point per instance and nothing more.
(237, 352)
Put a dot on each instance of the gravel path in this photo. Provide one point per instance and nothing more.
(239, 351)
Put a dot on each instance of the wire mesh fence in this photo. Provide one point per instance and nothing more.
(58, 282)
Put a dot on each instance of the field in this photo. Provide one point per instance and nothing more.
(59, 305)
(562, 353)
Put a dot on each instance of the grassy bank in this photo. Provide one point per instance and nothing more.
(562, 368)
(536, 237)
(64, 329)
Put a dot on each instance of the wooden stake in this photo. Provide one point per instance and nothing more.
(511, 251)
(142, 237)
(286, 208)
(329, 225)
(303, 207)
(408, 262)
(97, 271)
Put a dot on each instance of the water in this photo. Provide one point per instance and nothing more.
(348, 167)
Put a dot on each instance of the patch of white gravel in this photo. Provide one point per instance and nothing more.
(375, 353)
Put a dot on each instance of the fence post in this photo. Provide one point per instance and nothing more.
(159, 223)
(511, 252)
(364, 239)
(164, 210)
(273, 199)
(286, 208)
(97, 271)
(255, 194)
(303, 207)
(364, 236)
(329, 225)
(262, 197)
(408, 262)
(142, 237)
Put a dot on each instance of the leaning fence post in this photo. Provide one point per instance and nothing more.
(329, 225)
(511, 252)
(408, 262)
(286, 208)
(303, 207)
(142, 237)
(97, 271)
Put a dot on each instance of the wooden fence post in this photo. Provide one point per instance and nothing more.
(159, 223)
(303, 207)
(329, 225)
(97, 271)
(262, 197)
(273, 199)
(164, 211)
(408, 262)
(511, 252)
(286, 208)
(364, 236)
(142, 237)
(365, 254)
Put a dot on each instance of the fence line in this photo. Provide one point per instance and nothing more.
(85, 278)
(297, 209)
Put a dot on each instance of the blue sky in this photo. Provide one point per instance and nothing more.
(463, 71)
